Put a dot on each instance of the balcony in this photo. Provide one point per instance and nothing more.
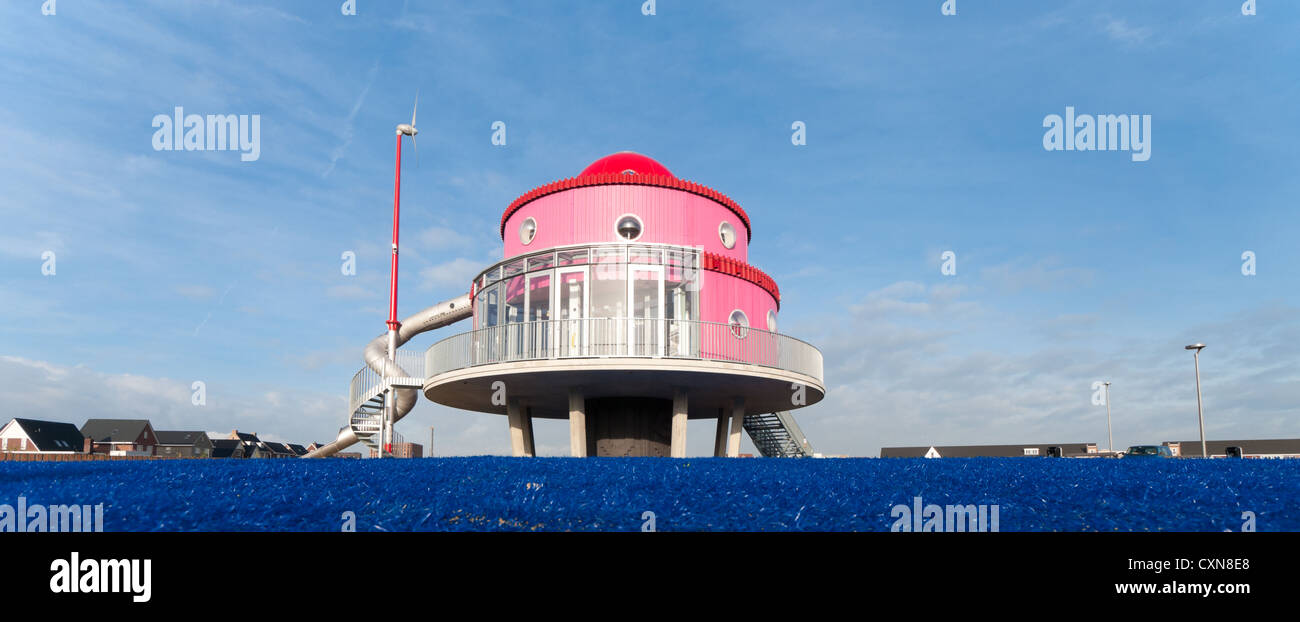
(641, 357)
(623, 338)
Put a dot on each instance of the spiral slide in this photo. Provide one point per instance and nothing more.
(369, 387)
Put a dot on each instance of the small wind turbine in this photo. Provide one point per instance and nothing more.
(403, 129)
(409, 128)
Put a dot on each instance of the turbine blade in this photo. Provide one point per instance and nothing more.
(417, 149)
(416, 107)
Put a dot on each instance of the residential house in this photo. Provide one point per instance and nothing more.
(278, 450)
(253, 446)
(179, 444)
(120, 437)
(42, 437)
(227, 448)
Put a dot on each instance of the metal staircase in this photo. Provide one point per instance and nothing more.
(366, 421)
(370, 389)
(776, 435)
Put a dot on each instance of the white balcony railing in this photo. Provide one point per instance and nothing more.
(622, 337)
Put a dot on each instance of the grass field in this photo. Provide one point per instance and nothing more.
(705, 494)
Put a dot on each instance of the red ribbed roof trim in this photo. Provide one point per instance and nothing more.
(726, 265)
(614, 179)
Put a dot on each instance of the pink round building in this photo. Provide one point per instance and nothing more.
(626, 303)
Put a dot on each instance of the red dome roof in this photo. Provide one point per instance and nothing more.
(626, 162)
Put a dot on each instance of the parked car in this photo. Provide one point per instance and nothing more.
(1149, 451)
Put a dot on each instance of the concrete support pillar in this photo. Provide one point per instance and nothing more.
(737, 424)
(678, 447)
(515, 412)
(530, 449)
(720, 438)
(577, 424)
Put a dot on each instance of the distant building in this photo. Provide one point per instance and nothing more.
(227, 448)
(178, 444)
(1063, 450)
(120, 437)
(1259, 448)
(43, 437)
(353, 455)
(298, 450)
(403, 450)
(408, 450)
(278, 450)
(253, 446)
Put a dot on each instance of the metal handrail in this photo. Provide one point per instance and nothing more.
(623, 337)
(367, 383)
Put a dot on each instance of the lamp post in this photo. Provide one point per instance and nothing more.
(1196, 357)
(1110, 440)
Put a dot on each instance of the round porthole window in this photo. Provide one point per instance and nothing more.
(628, 227)
(739, 324)
(727, 234)
(527, 231)
(771, 320)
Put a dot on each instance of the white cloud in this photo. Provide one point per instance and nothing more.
(30, 246)
(352, 292)
(1120, 30)
(349, 123)
(1042, 274)
(904, 374)
(75, 394)
(456, 273)
(196, 292)
(440, 238)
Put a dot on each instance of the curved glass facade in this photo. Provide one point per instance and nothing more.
(648, 281)
(643, 283)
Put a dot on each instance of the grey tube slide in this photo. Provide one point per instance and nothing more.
(442, 314)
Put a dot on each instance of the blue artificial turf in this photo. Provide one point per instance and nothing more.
(703, 494)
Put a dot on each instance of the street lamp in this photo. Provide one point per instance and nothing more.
(1110, 440)
(1196, 356)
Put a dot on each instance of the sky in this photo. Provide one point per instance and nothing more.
(924, 135)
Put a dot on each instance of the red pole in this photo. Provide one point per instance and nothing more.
(393, 324)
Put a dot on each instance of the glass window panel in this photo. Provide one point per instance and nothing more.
(539, 298)
(509, 342)
(644, 255)
(571, 258)
(608, 291)
(490, 298)
(608, 255)
(570, 295)
(513, 310)
(513, 268)
(571, 330)
(541, 262)
(645, 293)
